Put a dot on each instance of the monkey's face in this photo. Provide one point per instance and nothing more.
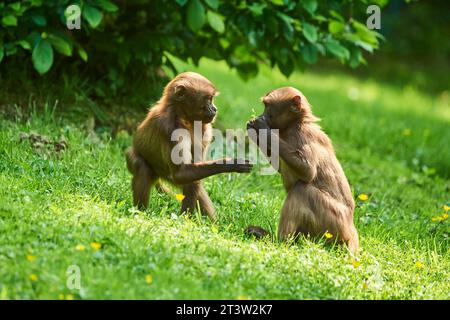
(279, 114)
(203, 107)
(196, 104)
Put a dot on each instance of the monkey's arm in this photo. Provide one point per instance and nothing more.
(297, 160)
(187, 173)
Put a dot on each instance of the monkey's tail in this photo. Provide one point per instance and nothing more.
(131, 157)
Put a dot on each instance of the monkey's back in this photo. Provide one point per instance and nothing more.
(151, 142)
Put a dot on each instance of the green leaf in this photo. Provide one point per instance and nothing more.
(33, 38)
(366, 46)
(278, 2)
(39, 20)
(288, 31)
(335, 26)
(2, 53)
(215, 21)
(9, 21)
(83, 54)
(42, 56)
(337, 49)
(309, 54)
(355, 58)
(310, 32)
(195, 15)
(15, 6)
(181, 2)
(61, 45)
(310, 6)
(92, 15)
(108, 6)
(257, 8)
(24, 44)
(213, 3)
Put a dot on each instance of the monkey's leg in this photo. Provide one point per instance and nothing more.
(193, 193)
(206, 204)
(310, 211)
(142, 180)
(190, 192)
(295, 213)
(162, 188)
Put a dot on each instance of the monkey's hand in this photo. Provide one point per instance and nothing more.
(258, 123)
(241, 166)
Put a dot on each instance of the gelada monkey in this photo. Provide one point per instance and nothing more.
(186, 99)
(319, 198)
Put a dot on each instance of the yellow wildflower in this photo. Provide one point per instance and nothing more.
(179, 197)
(328, 235)
(419, 265)
(69, 297)
(242, 297)
(356, 263)
(363, 197)
(365, 285)
(96, 245)
(80, 247)
(407, 132)
(444, 216)
(30, 257)
(149, 279)
(446, 207)
(33, 277)
(214, 229)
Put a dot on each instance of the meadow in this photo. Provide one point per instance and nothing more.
(65, 200)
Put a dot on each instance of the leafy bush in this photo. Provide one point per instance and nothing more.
(141, 35)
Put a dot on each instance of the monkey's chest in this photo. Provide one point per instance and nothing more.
(289, 176)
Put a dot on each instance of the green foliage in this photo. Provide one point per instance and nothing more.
(138, 36)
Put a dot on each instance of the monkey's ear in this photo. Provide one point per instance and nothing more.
(297, 104)
(179, 91)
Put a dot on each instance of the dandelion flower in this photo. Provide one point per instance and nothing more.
(444, 216)
(446, 207)
(33, 277)
(356, 263)
(363, 197)
(80, 247)
(242, 297)
(328, 235)
(149, 279)
(30, 258)
(437, 218)
(419, 265)
(179, 197)
(96, 245)
(407, 132)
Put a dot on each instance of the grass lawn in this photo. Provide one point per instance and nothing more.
(59, 209)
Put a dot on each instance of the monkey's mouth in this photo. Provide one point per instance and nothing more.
(209, 119)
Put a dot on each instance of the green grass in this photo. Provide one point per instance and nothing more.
(392, 143)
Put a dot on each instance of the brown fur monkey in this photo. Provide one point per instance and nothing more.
(319, 198)
(186, 99)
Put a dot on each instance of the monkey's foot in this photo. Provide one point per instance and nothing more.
(256, 231)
